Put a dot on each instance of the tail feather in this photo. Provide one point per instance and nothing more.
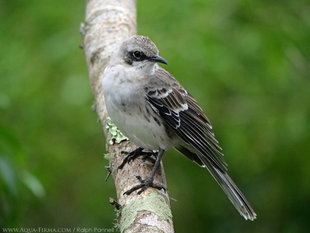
(226, 183)
(233, 193)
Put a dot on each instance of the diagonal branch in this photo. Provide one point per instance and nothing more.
(107, 24)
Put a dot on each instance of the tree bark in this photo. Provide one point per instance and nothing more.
(107, 24)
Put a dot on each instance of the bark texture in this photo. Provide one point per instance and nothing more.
(107, 24)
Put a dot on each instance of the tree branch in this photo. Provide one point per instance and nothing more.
(107, 24)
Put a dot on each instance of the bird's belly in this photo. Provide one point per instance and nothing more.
(129, 112)
(139, 126)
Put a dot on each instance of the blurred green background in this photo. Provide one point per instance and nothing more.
(246, 62)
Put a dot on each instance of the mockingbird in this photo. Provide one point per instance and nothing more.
(151, 108)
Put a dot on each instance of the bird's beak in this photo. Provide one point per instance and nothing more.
(159, 59)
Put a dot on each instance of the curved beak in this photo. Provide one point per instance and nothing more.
(159, 59)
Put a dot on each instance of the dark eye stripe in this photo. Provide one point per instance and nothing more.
(137, 55)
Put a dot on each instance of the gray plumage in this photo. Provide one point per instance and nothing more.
(151, 108)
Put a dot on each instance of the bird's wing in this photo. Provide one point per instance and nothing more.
(180, 111)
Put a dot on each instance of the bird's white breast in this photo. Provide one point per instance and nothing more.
(124, 93)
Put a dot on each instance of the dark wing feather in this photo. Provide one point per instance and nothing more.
(183, 115)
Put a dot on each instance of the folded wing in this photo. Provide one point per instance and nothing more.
(186, 120)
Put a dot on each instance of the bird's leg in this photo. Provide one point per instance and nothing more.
(135, 154)
(147, 155)
(149, 181)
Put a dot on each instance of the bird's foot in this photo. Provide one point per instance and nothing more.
(144, 185)
(131, 156)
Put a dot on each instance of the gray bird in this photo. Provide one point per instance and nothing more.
(150, 107)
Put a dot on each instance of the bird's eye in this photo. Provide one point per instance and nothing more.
(137, 54)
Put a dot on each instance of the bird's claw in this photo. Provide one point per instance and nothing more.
(143, 186)
(132, 155)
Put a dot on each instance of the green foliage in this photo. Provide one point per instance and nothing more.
(247, 64)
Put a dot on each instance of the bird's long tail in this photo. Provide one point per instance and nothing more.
(226, 183)
(233, 193)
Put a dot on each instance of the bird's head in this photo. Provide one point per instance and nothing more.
(140, 52)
